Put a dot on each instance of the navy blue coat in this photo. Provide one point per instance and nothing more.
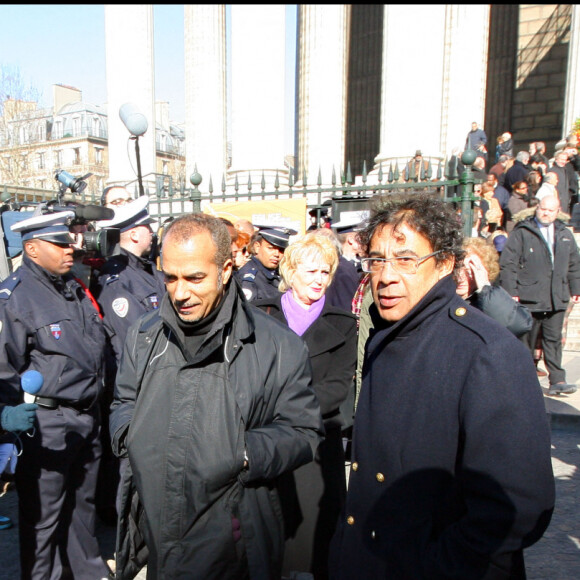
(344, 284)
(61, 338)
(451, 472)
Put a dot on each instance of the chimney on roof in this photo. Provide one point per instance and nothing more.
(63, 95)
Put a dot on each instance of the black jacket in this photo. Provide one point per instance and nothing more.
(517, 172)
(496, 302)
(331, 341)
(247, 390)
(526, 267)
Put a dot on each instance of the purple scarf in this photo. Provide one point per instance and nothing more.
(299, 318)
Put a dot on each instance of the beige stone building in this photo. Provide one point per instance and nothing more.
(72, 136)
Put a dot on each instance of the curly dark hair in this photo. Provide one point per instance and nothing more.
(426, 214)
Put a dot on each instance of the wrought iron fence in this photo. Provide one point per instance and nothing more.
(170, 199)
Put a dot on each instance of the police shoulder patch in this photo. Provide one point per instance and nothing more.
(249, 276)
(120, 307)
(7, 287)
(247, 293)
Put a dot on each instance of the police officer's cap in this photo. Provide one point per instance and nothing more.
(277, 236)
(130, 215)
(52, 227)
(348, 224)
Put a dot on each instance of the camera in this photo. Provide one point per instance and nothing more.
(103, 243)
(75, 184)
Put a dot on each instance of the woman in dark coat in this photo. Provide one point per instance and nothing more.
(313, 495)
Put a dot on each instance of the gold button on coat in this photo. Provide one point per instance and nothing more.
(350, 520)
(355, 466)
(461, 311)
(380, 477)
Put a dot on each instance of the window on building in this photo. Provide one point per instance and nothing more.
(98, 155)
(41, 132)
(96, 127)
(165, 167)
(76, 126)
(24, 162)
(76, 156)
(58, 158)
(24, 134)
(41, 161)
(42, 184)
(58, 129)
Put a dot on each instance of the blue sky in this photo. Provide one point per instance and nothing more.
(65, 44)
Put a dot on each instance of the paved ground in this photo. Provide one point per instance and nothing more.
(555, 557)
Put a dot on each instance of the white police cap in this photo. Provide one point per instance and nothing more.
(52, 227)
(351, 222)
(129, 216)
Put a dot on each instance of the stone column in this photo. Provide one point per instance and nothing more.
(434, 73)
(413, 49)
(258, 65)
(465, 75)
(572, 93)
(205, 92)
(322, 89)
(130, 78)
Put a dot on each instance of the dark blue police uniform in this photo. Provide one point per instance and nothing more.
(129, 286)
(49, 324)
(257, 281)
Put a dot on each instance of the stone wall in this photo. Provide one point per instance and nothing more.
(540, 74)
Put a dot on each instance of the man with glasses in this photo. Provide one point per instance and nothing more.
(50, 325)
(115, 196)
(451, 474)
(540, 268)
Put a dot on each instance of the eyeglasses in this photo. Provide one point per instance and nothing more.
(119, 201)
(400, 264)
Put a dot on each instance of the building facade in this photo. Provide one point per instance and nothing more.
(73, 136)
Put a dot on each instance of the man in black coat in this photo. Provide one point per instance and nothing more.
(451, 472)
(213, 402)
(540, 267)
(567, 185)
(518, 171)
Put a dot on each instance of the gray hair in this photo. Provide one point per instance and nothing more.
(523, 156)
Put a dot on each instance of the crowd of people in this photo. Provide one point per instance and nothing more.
(250, 402)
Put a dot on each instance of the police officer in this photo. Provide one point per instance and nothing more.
(259, 278)
(129, 284)
(48, 324)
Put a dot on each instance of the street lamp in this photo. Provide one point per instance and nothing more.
(137, 125)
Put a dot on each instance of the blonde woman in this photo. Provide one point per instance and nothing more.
(313, 495)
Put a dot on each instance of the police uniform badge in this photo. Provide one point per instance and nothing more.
(247, 293)
(120, 307)
(154, 301)
(56, 331)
